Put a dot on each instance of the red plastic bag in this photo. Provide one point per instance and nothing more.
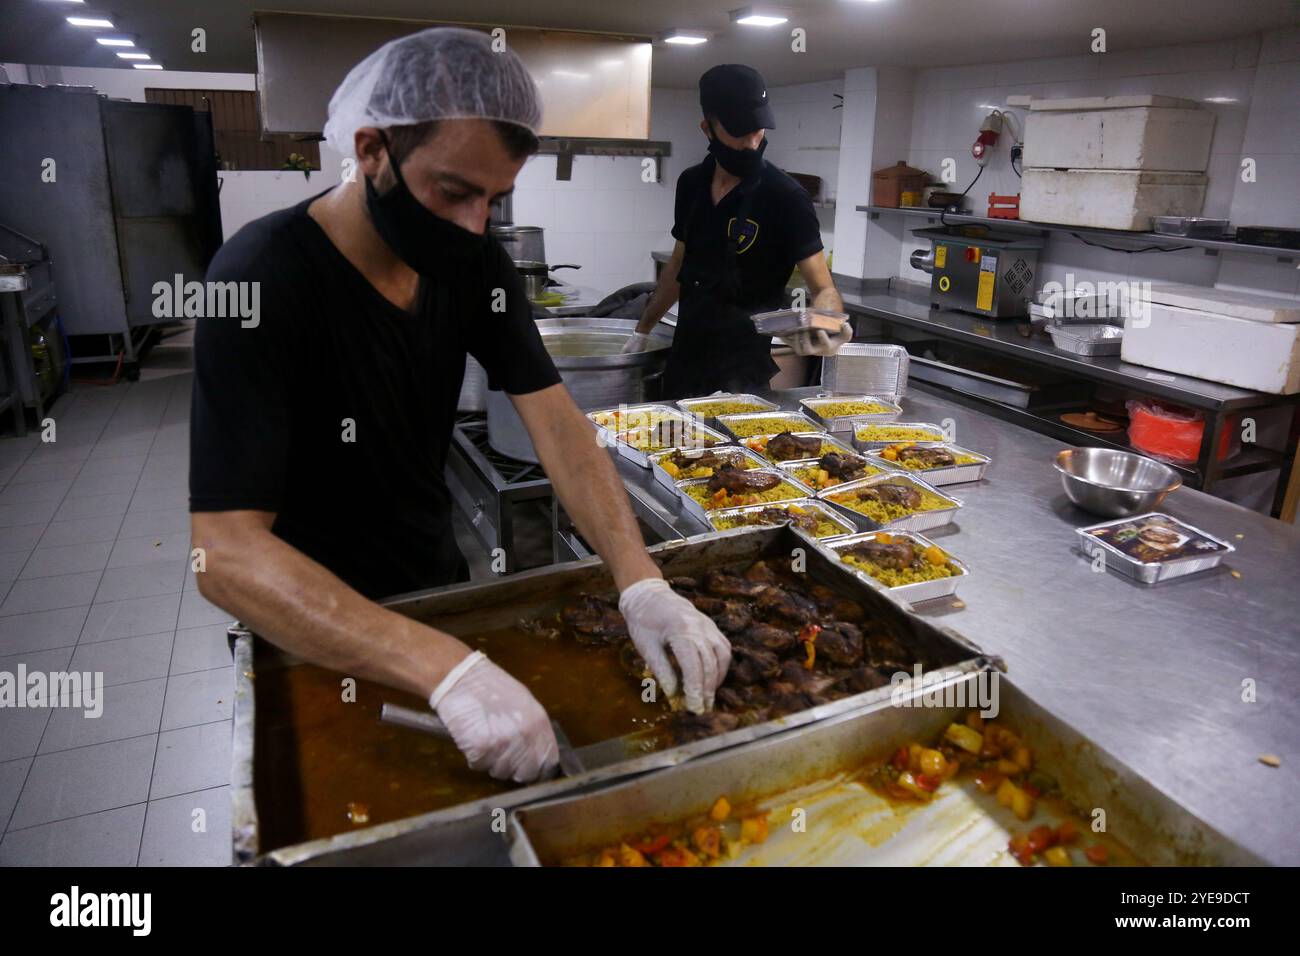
(1174, 434)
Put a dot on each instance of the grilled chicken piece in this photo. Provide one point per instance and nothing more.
(785, 605)
(737, 481)
(697, 459)
(893, 494)
(795, 677)
(683, 584)
(788, 447)
(896, 554)
(835, 607)
(931, 457)
(840, 643)
(751, 665)
(792, 702)
(741, 700)
(886, 653)
(760, 572)
(730, 616)
(633, 663)
(729, 584)
(594, 620)
(862, 679)
(767, 637)
(843, 467)
(690, 727)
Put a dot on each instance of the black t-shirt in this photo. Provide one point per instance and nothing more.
(329, 359)
(780, 230)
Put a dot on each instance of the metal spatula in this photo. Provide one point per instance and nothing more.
(570, 764)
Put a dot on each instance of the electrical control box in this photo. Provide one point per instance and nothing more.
(978, 272)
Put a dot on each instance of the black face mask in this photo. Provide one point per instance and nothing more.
(426, 242)
(739, 162)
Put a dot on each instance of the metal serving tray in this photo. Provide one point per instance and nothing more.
(922, 431)
(848, 825)
(810, 504)
(697, 431)
(1089, 340)
(920, 521)
(911, 593)
(790, 467)
(844, 423)
(668, 481)
(946, 475)
(646, 408)
(869, 368)
(1152, 572)
(786, 321)
(797, 421)
(688, 405)
(827, 438)
(692, 506)
(465, 834)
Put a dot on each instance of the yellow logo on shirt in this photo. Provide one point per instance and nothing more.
(748, 234)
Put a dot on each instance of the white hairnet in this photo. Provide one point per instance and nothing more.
(439, 73)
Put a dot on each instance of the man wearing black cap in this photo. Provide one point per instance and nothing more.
(741, 226)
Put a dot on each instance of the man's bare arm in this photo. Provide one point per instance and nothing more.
(302, 607)
(586, 482)
(821, 287)
(665, 294)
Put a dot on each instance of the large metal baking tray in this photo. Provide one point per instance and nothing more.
(1004, 390)
(464, 834)
(797, 421)
(810, 504)
(668, 481)
(689, 405)
(922, 431)
(946, 475)
(848, 825)
(1151, 572)
(844, 423)
(693, 507)
(911, 593)
(869, 368)
(918, 521)
(836, 444)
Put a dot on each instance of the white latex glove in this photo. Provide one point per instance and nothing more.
(658, 618)
(818, 342)
(636, 342)
(497, 724)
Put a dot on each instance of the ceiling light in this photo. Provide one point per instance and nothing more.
(757, 17)
(133, 56)
(685, 37)
(147, 66)
(571, 75)
(98, 22)
(113, 41)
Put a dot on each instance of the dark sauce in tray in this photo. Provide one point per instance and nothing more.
(325, 766)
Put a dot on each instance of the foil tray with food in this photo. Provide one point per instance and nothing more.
(766, 423)
(868, 436)
(731, 487)
(928, 781)
(319, 780)
(638, 444)
(804, 514)
(833, 468)
(680, 464)
(795, 446)
(940, 463)
(898, 501)
(626, 417)
(910, 565)
(1153, 547)
(710, 407)
(839, 413)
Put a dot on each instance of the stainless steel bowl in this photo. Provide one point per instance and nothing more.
(1114, 484)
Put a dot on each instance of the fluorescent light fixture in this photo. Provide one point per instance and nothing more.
(571, 75)
(758, 17)
(133, 56)
(147, 66)
(1220, 99)
(97, 22)
(72, 1)
(113, 41)
(685, 37)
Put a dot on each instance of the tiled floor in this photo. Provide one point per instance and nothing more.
(94, 576)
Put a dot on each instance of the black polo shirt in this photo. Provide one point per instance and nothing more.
(335, 412)
(780, 229)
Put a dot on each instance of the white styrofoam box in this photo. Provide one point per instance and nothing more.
(1240, 305)
(1263, 356)
(1127, 101)
(1109, 198)
(1140, 137)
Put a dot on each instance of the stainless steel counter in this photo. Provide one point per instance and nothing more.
(1153, 674)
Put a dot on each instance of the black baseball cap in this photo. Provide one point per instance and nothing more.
(737, 96)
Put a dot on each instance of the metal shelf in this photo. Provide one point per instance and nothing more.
(1212, 246)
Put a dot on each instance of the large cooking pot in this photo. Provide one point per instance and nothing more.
(588, 354)
(522, 242)
(537, 275)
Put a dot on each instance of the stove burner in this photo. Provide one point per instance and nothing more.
(473, 425)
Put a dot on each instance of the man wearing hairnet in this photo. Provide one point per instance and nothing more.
(319, 434)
